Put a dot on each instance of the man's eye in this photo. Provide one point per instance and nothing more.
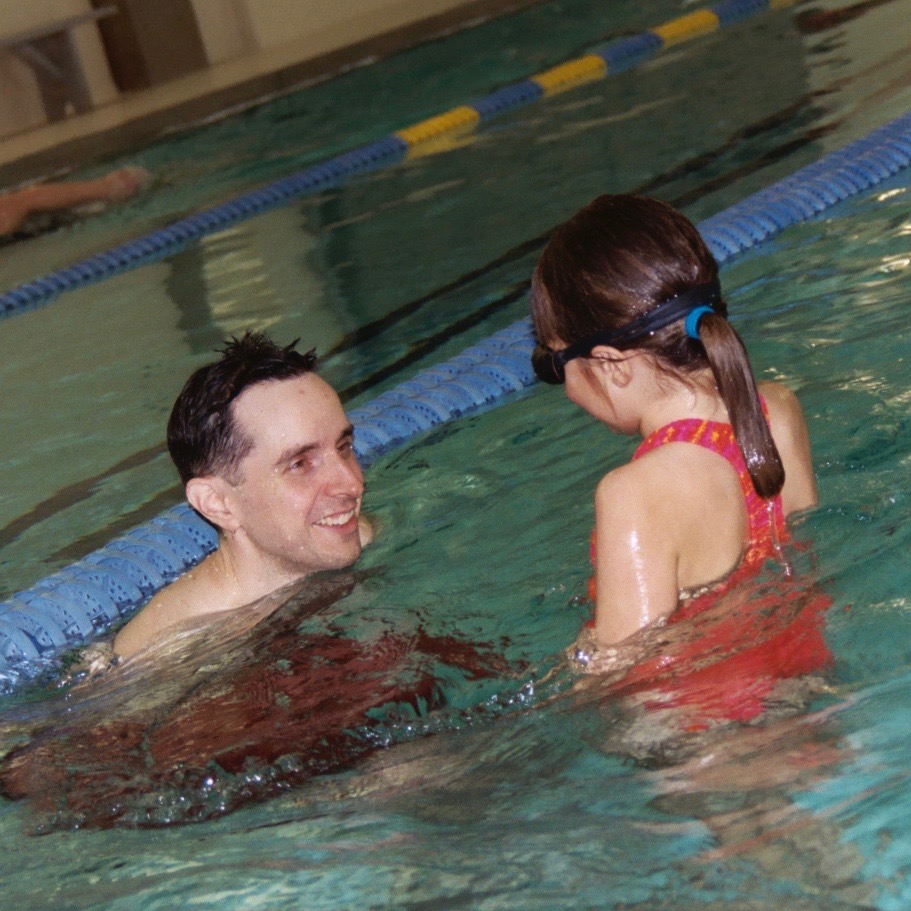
(346, 448)
(299, 465)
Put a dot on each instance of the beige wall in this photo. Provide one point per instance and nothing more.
(225, 28)
(332, 23)
(20, 100)
(280, 32)
(231, 28)
(18, 17)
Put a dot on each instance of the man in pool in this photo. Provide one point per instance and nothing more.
(262, 700)
(266, 454)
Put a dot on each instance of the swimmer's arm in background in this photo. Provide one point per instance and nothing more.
(117, 186)
(635, 562)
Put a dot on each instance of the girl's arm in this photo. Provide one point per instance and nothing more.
(789, 430)
(635, 559)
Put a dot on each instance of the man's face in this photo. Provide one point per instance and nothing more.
(299, 494)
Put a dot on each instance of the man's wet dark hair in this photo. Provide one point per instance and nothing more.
(203, 438)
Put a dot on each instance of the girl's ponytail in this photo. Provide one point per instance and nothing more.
(623, 257)
(730, 365)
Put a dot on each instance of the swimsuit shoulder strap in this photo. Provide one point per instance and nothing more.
(766, 517)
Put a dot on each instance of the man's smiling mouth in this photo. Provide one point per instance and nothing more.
(340, 518)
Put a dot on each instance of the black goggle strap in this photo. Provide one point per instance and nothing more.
(667, 312)
(545, 366)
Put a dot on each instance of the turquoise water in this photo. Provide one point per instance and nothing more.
(527, 800)
(530, 801)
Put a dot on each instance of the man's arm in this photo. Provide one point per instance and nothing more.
(366, 530)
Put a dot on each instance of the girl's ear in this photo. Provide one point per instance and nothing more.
(211, 498)
(614, 364)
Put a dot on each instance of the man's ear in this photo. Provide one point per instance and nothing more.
(615, 365)
(210, 498)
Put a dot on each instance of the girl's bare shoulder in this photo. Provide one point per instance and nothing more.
(674, 478)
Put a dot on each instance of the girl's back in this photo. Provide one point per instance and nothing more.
(629, 314)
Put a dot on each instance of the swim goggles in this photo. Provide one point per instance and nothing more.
(692, 305)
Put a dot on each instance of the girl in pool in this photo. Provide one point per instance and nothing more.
(628, 311)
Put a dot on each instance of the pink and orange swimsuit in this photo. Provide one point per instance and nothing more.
(728, 671)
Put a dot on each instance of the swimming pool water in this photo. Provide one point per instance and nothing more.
(484, 527)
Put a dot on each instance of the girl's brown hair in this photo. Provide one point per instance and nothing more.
(620, 257)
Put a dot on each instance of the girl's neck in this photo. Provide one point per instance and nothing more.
(675, 400)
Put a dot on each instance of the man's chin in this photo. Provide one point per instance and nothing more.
(343, 558)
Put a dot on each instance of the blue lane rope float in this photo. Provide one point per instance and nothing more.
(426, 137)
(72, 606)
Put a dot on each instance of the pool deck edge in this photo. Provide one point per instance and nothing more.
(141, 117)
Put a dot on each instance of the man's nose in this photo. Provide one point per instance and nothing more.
(347, 477)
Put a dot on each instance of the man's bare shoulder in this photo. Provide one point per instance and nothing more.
(192, 595)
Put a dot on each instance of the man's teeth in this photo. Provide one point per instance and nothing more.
(340, 519)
